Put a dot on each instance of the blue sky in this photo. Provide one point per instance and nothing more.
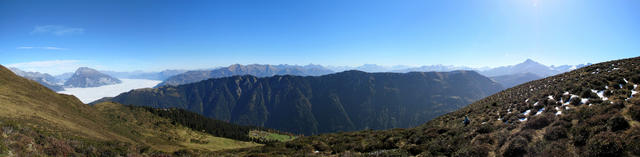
(59, 36)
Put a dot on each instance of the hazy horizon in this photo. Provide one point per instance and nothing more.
(25, 67)
(57, 37)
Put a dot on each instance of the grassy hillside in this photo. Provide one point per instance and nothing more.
(35, 121)
(219, 128)
(591, 111)
(159, 133)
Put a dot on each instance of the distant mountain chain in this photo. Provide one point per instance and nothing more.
(345, 101)
(528, 66)
(259, 70)
(508, 76)
(162, 75)
(512, 80)
(42, 78)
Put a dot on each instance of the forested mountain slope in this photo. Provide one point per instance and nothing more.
(346, 101)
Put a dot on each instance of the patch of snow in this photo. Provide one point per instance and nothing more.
(606, 87)
(550, 96)
(508, 110)
(526, 112)
(566, 108)
(620, 86)
(600, 94)
(573, 67)
(635, 86)
(625, 80)
(565, 93)
(616, 68)
(540, 111)
(87, 95)
(558, 111)
(523, 119)
(583, 100)
(574, 96)
(526, 100)
(570, 98)
(536, 104)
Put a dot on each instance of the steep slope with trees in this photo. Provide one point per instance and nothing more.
(346, 101)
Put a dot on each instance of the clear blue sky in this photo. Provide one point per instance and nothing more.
(55, 36)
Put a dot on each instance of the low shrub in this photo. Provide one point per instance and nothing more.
(617, 123)
(555, 133)
(576, 101)
(556, 148)
(580, 134)
(483, 139)
(604, 144)
(474, 150)
(517, 147)
(633, 141)
(588, 94)
(634, 111)
(538, 122)
(485, 128)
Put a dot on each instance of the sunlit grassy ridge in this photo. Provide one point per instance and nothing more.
(35, 121)
(160, 133)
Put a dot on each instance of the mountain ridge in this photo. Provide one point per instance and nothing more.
(345, 101)
(260, 70)
(512, 80)
(42, 78)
